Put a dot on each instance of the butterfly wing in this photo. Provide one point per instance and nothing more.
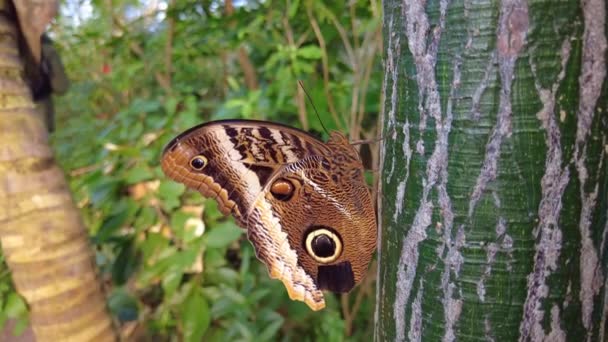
(233, 162)
(241, 156)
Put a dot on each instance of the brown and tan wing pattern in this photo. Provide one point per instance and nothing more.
(232, 162)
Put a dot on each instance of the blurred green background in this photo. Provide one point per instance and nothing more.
(144, 70)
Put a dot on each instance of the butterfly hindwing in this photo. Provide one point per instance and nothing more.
(304, 202)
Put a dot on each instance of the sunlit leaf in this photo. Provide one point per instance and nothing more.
(310, 52)
(138, 174)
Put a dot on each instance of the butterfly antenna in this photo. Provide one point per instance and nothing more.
(313, 106)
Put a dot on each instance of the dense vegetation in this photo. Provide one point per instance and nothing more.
(142, 71)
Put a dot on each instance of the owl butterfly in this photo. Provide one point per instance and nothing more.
(304, 203)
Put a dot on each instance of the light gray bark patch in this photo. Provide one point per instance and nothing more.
(399, 200)
(568, 296)
(491, 250)
(512, 30)
(505, 240)
(507, 246)
(592, 77)
(408, 261)
(593, 65)
(393, 52)
(500, 130)
(548, 232)
(420, 147)
(496, 201)
(483, 85)
(425, 57)
(452, 308)
(501, 227)
(407, 152)
(415, 332)
(590, 267)
(454, 259)
(487, 328)
(557, 334)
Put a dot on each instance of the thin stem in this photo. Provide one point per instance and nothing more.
(325, 67)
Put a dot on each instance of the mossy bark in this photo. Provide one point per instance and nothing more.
(43, 239)
(494, 185)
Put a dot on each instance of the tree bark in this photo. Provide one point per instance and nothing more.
(42, 235)
(494, 185)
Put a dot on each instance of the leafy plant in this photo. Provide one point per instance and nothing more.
(144, 71)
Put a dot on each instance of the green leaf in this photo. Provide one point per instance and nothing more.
(223, 307)
(185, 258)
(271, 330)
(258, 294)
(234, 296)
(214, 258)
(331, 328)
(168, 189)
(123, 305)
(154, 243)
(146, 217)
(223, 275)
(212, 212)
(170, 106)
(145, 105)
(164, 255)
(103, 191)
(293, 9)
(121, 214)
(245, 330)
(169, 192)
(20, 325)
(196, 316)
(178, 221)
(246, 256)
(110, 225)
(15, 306)
(222, 234)
(310, 52)
(3, 319)
(171, 281)
(125, 264)
(138, 174)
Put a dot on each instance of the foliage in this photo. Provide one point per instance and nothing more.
(143, 71)
(12, 306)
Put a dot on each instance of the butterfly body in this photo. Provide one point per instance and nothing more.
(303, 202)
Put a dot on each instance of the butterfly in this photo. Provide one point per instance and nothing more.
(303, 202)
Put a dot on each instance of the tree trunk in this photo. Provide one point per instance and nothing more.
(494, 192)
(42, 235)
